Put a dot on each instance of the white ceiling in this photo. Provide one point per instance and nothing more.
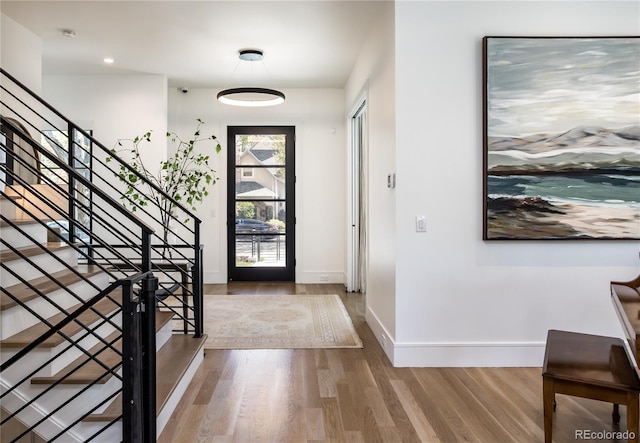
(307, 44)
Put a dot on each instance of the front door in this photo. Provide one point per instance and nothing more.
(260, 211)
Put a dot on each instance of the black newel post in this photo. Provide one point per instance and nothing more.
(148, 296)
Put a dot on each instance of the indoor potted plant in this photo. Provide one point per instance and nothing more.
(185, 176)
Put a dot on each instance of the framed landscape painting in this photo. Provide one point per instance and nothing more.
(561, 138)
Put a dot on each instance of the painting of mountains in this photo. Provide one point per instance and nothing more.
(561, 138)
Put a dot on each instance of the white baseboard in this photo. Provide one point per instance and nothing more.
(303, 278)
(385, 340)
(476, 354)
(456, 354)
(217, 278)
(321, 277)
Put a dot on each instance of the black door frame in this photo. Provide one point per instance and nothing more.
(262, 273)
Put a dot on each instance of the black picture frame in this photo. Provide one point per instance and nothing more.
(561, 138)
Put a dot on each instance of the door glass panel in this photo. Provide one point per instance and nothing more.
(260, 206)
(261, 203)
(260, 149)
(260, 183)
(260, 237)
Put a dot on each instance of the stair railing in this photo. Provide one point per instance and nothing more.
(135, 311)
(137, 362)
(79, 196)
(179, 263)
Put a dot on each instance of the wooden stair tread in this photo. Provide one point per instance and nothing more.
(172, 361)
(45, 285)
(30, 251)
(10, 196)
(21, 222)
(26, 336)
(91, 370)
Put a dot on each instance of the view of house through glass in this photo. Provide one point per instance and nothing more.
(261, 221)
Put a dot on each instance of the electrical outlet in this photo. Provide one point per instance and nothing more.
(324, 278)
(383, 339)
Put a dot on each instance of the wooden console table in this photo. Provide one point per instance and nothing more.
(626, 301)
(589, 366)
(597, 367)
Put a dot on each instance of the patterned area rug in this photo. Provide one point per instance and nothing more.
(277, 322)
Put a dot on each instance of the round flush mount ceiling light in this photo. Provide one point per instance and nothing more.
(251, 55)
(251, 96)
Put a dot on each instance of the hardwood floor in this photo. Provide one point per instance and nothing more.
(355, 395)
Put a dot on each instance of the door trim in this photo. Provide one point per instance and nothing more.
(262, 273)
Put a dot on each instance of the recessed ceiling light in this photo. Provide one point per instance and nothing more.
(108, 60)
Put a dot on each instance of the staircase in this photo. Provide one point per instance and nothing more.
(100, 318)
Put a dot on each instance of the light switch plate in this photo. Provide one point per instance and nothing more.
(391, 180)
(421, 223)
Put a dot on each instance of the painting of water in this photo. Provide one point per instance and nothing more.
(561, 138)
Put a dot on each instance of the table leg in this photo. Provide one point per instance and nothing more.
(632, 416)
(548, 401)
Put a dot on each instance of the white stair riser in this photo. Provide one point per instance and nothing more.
(18, 240)
(115, 432)
(88, 400)
(163, 335)
(17, 318)
(45, 261)
(46, 354)
(33, 413)
(85, 402)
(172, 402)
(8, 208)
(42, 356)
(64, 357)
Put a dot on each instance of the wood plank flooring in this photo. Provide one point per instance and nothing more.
(355, 395)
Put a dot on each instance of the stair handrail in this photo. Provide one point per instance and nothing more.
(195, 322)
(138, 339)
(79, 177)
(197, 259)
(138, 307)
(106, 150)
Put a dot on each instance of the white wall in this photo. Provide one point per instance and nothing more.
(21, 53)
(460, 300)
(20, 57)
(114, 107)
(445, 297)
(318, 116)
(374, 74)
